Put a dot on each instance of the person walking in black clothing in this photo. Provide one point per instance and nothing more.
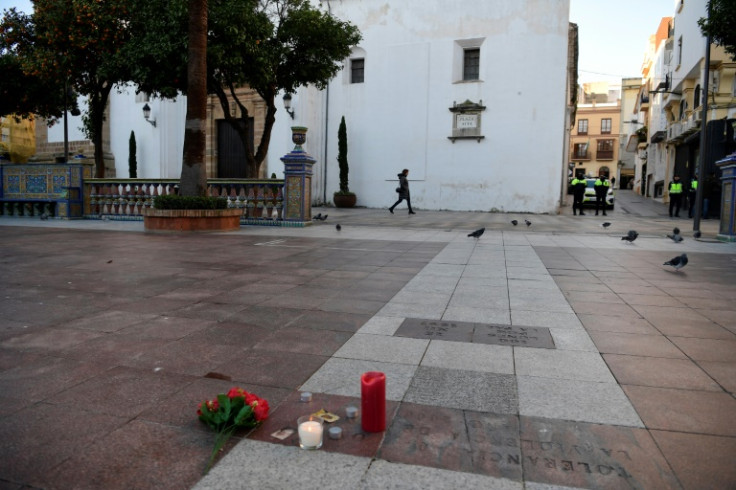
(578, 192)
(601, 187)
(403, 191)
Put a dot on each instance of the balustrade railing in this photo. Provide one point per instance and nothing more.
(260, 200)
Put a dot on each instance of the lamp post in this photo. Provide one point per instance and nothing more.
(66, 123)
(147, 115)
(287, 105)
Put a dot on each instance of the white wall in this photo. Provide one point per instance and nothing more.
(74, 126)
(400, 118)
(159, 149)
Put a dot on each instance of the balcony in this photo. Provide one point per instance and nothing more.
(604, 155)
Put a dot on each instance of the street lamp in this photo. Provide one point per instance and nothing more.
(287, 105)
(147, 115)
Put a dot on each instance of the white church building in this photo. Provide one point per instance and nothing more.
(472, 96)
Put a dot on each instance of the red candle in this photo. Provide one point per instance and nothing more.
(373, 401)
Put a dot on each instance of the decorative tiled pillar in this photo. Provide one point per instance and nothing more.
(298, 181)
(727, 228)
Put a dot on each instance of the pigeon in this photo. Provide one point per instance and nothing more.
(605, 224)
(697, 234)
(631, 236)
(338, 227)
(477, 233)
(677, 262)
(675, 236)
(44, 216)
(528, 223)
(514, 222)
(319, 216)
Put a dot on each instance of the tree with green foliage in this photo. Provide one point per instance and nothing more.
(720, 24)
(267, 45)
(21, 93)
(132, 158)
(78, 44)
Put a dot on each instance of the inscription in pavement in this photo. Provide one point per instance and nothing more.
(513, 335)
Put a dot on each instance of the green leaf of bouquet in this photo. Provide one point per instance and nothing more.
(225, 405)
(243, 416)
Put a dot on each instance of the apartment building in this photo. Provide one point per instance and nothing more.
(594, 141)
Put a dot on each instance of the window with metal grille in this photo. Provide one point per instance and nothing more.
(357, 70)
(471, 64)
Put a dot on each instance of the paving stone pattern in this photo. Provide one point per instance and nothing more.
(110, 337)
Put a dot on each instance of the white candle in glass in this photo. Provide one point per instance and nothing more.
(310, 433)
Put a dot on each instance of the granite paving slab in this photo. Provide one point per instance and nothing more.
(559, 364)
(466, 390)
(380, 348)
(475, 315)
(382, 474)
(381, 325)
(342, 377)
(702, 412)
(513, 335)
(583, 401)
(452, 439)
(270, 368)
(418, 328)
(271, 466)
(699, 461)
(659, 372)
(572, 339)
(584, 455)
(469, 357)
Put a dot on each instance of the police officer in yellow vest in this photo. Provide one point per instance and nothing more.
(578, 192)
(601, 187)
(692, 192)
(675, 189)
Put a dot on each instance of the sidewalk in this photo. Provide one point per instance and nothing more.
(567, 357)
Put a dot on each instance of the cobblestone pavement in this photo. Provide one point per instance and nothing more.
(549, 356)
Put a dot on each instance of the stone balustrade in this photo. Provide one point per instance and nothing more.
(260, 199)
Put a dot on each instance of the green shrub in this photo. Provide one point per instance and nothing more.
(189, 202)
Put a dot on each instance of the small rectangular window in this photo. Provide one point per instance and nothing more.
(605, 126)
(357, 70)
(471, 64)
(583, 126)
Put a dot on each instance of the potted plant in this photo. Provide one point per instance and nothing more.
(343, 198)
(190, 213)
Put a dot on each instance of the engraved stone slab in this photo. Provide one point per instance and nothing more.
(582, 455)
(513, 335)
(436, 330)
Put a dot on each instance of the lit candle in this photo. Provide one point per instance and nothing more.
(373, 401)
(310, 432)
(351, 412)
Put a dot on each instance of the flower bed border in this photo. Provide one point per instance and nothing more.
(185, 220)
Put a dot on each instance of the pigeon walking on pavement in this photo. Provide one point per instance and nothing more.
(338, 227)
(677, 262)
(675, 236)
(605, 224)
(528, 223)
(319, 216)
(477, 233)
(514, 222)
(630, 236)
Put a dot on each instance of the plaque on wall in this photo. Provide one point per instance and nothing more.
(466, 121)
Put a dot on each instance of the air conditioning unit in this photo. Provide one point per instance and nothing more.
(697, 115)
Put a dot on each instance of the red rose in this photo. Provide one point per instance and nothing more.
(250, 398)
(260, 411)
(236, 392)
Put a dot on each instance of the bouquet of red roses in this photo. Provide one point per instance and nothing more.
(227, 413)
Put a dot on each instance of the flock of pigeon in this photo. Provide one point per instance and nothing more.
(676, 263)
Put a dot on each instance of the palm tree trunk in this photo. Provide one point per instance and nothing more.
(194, 171)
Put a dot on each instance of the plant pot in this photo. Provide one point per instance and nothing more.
(178, 220)
(344, 200)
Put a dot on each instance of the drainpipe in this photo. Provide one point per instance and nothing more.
(327, 126)
(703, 135)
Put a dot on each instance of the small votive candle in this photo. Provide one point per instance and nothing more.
(351, 412)
(335, 432)
(310, 430)
(306, 396)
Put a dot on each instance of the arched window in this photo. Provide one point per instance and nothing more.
(696, 96)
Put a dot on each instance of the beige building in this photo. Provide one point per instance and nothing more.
(594, 141)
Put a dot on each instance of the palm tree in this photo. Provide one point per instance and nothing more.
(193, 180)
